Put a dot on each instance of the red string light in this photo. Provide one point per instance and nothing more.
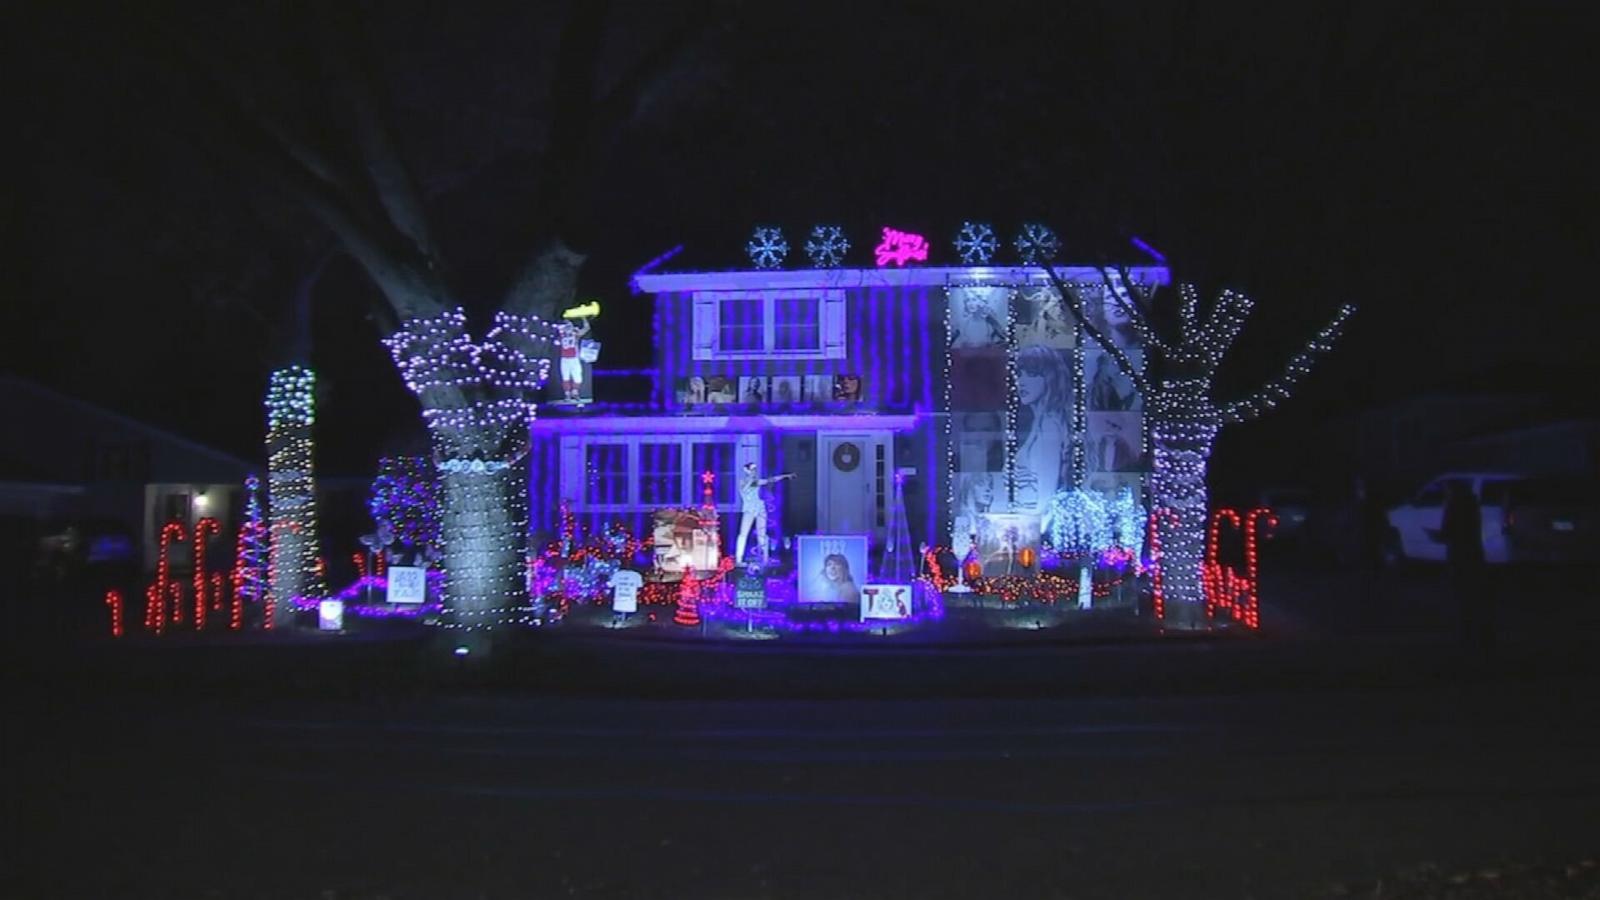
(1227, 589)
(114, 600)
(688, 600)
(158, 593)
(1157, 519)
(236, 620)
(202, 530)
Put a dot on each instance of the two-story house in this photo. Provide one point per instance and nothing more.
(973, 384)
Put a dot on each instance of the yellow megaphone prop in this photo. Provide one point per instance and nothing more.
(583, 311)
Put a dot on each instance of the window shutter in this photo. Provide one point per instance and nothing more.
(572, 472)
(833, 325)
(705, 327)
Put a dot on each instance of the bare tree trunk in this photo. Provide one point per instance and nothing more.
(1183, 428)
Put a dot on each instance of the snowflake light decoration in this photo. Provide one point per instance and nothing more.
(1037, 244)
(767, 248)
(976, 243)
(827, 246)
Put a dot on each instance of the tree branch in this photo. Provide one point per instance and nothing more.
(1257, 404)
(1143, 324)
(347, 57)
(310, 176)
(1076, 306)
(622, 100)
(1227, 319)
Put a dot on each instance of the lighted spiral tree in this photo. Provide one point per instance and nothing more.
(291, 484)
(477, 400)
(1183, 415)
(251, 553)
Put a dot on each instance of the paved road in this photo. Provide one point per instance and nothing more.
(1260, 795)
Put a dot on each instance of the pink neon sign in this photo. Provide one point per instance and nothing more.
(901, 247)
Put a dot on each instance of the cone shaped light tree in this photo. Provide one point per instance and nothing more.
(1182, 412)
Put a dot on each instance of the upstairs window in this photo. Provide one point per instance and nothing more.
(789, 324)
(797, 325)
(741, 326)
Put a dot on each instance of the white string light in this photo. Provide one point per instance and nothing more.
(476, 398)
(1184, 418)
(293, 570)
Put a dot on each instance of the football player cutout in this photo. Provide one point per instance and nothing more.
(753, 510)
(571, 364)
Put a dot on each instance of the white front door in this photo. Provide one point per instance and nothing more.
(849, 481)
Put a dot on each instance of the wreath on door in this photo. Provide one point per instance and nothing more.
(846, 457)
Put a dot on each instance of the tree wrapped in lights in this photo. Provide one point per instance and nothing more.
(336, 153)
(477, 401)
(291, 484)
(1182, 414)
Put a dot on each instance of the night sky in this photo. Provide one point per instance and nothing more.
(1429, 164)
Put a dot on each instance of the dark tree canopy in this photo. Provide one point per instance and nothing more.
(1417, 160)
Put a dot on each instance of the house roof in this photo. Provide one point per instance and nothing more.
(1541, 429)
(13, 387)
(911, 276)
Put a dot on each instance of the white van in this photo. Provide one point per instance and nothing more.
(1416, 522)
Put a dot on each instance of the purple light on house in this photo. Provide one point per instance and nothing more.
(1155, 254)
(652, 265)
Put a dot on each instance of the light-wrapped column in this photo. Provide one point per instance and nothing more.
(291, 486)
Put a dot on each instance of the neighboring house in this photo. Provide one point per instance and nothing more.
(1404, 443)
(968, 381)
(77, 463)
(1568, 447)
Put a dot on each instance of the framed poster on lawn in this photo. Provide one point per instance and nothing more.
(885, 601)
(831, 568)
(407, 584)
